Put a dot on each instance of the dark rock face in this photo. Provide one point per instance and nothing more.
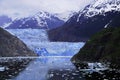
(11, 46)
(104, 46)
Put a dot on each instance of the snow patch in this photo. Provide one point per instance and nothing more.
(102, 6)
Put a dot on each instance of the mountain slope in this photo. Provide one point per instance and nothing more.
(41, 20)
(86, 23)
(11, 46)
(4, 20)
(103, 46)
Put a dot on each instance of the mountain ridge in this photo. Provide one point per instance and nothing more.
(41, 20)
(81, 26)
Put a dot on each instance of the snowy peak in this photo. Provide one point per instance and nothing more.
(102, 6)
(41, 20)
(42, 15)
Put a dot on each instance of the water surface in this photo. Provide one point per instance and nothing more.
(49, 68)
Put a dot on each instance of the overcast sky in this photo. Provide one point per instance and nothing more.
(29, 7)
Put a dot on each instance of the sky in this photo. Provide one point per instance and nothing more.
(29, 7)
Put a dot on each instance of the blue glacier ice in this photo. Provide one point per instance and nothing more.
(37, 40)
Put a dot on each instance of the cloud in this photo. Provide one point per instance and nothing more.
(30, 7)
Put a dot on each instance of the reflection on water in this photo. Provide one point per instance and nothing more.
(40, 69)
(49, 68)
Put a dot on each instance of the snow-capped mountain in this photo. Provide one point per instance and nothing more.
(4, 20)
(41, 20)
(93, 18)
(100, 7)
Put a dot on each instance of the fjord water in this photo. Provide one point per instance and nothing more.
(49, 68)
(42, 68)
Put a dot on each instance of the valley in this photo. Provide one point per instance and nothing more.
(60, 40)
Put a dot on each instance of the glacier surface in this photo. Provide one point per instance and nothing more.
(37, 40)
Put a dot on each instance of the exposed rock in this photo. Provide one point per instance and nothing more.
(11, 46)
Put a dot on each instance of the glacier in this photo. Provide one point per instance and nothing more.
(37, 40)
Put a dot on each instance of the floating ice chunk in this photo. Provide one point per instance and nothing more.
(2, 68)
(51, 75)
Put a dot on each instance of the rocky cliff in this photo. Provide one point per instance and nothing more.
(11, 46)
